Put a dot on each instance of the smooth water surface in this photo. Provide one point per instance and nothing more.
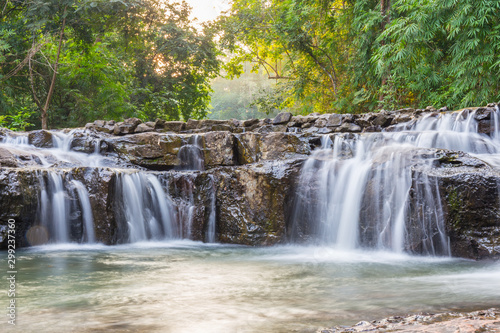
(193, 287)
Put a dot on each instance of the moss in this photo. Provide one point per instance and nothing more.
(454, 204)
(450, 159)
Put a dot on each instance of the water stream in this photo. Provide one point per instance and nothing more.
(354, 190)
(186, 286)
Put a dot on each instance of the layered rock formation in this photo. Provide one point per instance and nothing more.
(249, 177)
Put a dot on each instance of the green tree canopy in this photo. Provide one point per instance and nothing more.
(78, 60)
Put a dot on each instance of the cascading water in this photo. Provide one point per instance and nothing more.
(191, 155)
(86, 209)
(369, 190)
(210, 234)
(144, 207)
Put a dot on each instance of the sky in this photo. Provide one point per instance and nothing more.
(207, 10)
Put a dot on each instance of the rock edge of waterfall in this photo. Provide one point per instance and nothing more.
(464, 322)
(253, 169)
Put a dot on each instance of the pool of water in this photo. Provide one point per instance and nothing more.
(193, 287)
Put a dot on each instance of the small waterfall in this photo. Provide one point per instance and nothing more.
(357, 194)
(54, 207)
(16, 140)
(191, 154)
(62, 140)
(210, 236)
(86, 208)
(143, 206)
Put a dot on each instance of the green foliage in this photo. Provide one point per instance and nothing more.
(117, 59)
(354, 56)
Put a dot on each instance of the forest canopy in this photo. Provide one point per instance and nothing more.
(65, 63)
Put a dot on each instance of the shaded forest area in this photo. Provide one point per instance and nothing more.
(65, 63)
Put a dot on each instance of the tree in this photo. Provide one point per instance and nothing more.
(76, 60)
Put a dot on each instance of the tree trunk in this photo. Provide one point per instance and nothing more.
(53, 83)
(385, 6)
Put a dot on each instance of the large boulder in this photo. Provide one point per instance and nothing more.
(219, 149)
(151, 150)
(253, 202)
(40, 139)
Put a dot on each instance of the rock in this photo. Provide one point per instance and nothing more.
(484, 127)
(219, 149)
(141, 128)
(253, 201)
(325, 130)
(249, 122)
(192, 124)
(348, 127)
(40, 139)
(282, 117)
(126, 127)
(483, 113)
(7, 159)
(150, 150)
(382, 120)
(321, 122)
(334, 120)
(401, 118)
(170, 126)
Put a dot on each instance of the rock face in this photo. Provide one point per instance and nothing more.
(249, 176)
(253, 201)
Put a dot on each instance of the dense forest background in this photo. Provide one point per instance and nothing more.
(65, 63)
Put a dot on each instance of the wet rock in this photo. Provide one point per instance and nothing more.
(253, 202)
(219, 149)
(282, 117)
(382, 120)
(401, 118)
(484, 127)
(483, 113)
(472, 322)
(151, 150)
(40, 139)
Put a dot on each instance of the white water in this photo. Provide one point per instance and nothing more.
(193, 287)
(83, 196)
(144, 207)
(147, 209)
(362, 182)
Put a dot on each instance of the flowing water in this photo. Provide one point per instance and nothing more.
(185, 286)
(159, 283)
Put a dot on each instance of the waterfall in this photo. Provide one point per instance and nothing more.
(373, 189)
(144, 207)
(86, 209)
(191, 154)
(210, 234)
(54, 207)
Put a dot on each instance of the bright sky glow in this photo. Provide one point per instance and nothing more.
(207, 10)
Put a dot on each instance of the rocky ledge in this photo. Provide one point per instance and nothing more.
(471, 322)
(253, 168)
(314, 123)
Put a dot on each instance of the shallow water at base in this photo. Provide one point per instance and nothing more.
(192, 287)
